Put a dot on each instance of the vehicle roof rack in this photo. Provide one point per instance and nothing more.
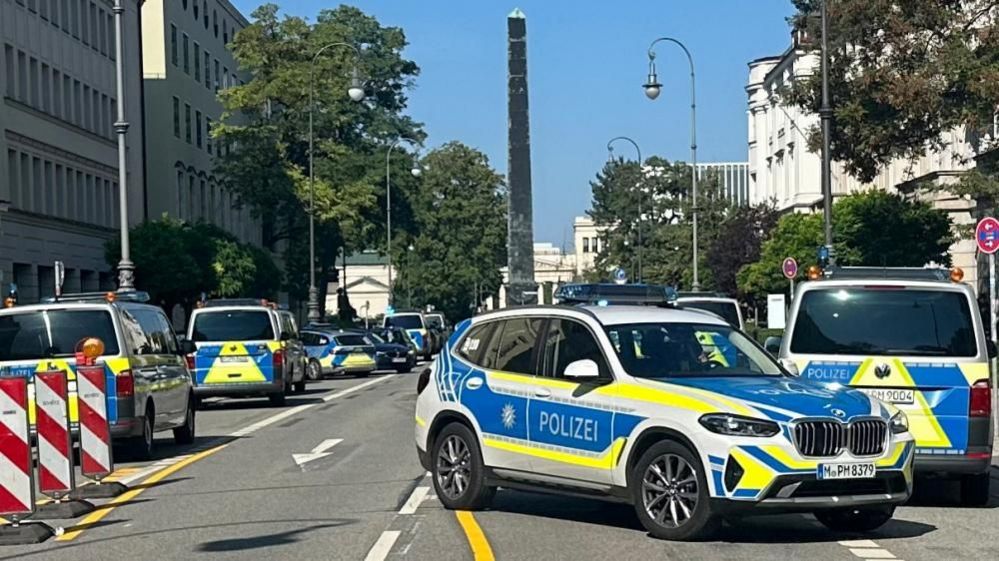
(701, 294)
(262, 302)
(107, 296)
(889, 273)
(604, 294)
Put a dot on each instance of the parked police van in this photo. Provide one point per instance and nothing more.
(625, 403)
(148, 384)
(912, 338)
(245, 347)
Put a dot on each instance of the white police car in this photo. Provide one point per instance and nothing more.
(623, 402)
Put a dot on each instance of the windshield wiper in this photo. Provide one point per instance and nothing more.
(927, 350)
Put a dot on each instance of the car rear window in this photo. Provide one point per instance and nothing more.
(412, 321)
(54, 333)
(726, 310)
(884, 322)
(235, 325)
(350, 340)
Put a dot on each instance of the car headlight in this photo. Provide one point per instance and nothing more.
(899, 423)
(411, 352)
(737, 425)
(380, 353)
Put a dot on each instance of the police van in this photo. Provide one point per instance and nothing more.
(416, 327)
(148, 384)
(624, 403)
(914, 339)
(245, 347)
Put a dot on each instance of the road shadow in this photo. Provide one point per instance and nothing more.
(257, 542)
(935, 492)
(761, 529)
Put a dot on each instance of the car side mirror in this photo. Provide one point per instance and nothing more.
(990, 347)
(187, 347)
(772, 345)
(584, 369)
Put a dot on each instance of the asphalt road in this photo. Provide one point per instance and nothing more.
(357, 491)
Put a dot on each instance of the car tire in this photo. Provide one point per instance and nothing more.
(141, 447)
(184, 434)
(314, 371)
(364, 374)
(975, 489)
(278, 399)
(402, 370)
(861, 519)
(682, 509)
(463, 485)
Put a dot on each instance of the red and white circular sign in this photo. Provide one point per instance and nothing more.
(987, 235)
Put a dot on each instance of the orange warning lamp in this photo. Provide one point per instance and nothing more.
(9, 302)
(93, 347)
(814, 272)
(956, 274)
(110, 297)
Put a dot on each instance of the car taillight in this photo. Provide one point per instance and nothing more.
(125, 383)
(981, 399)
(278, 358)
(190, 361)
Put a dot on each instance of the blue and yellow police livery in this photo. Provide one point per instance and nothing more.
(338, 352)
(639, 404)
(915, 343)
(416, 327)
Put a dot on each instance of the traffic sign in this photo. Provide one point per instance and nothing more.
(620, 276)
(790, 268)
(987, 235)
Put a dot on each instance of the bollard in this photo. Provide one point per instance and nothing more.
(55, 447)
(17, 484)
(96, 455)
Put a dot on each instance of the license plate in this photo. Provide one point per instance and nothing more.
(399, 360)
(846, 471)
(231, 359)
(889, 395)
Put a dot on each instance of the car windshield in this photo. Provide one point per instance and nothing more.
(728, 311)
(435, 321)
(884, 322)
(350, 340)
(234, 325)
(37, 335)
(408, 321)
(668, 350)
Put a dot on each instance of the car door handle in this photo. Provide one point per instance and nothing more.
(473, 383)
(542, 393)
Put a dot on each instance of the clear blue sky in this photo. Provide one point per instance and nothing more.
(586, 64)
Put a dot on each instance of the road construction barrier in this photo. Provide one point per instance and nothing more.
(17, 486)
(96, 459)
(55, 450)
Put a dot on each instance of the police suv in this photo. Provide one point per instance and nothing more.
(625, 403)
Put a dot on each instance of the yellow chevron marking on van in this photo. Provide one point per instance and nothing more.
(974, 371)
(923, 422)
(234, 372)
(604, 461)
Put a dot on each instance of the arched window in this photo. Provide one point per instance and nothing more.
(184, 4)
(215, 22)
(195, 10)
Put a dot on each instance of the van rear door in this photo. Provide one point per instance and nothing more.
(918, 347)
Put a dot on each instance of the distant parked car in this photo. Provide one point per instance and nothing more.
(399, 355)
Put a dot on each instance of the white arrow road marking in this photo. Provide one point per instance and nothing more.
(318, 452)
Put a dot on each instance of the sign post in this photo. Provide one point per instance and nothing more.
(790, 270)
(17, 482)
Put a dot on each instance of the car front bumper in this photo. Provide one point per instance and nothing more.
(806, 493)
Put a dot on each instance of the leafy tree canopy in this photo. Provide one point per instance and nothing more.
(740, 239)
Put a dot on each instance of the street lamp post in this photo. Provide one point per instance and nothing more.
(825, 115)
(641, 195)
(416, 171)
(356, 93)
(652, 90)
(126, 269)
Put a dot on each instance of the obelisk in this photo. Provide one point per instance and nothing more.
(522, 289)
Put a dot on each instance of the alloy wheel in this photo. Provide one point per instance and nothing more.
(669, 491)
(454, 466)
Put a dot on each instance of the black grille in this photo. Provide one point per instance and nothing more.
(826, 439)
(884, 482)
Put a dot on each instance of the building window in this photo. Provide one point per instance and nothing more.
(102, 22)
(217, 78)
(183, 3)
(225, 31)
(225, 77)
(8, 57)
(176, 117)
(198, 130)
(187, 54)
(187, 123)
(208, 134)
(36, 100)
(215, 22)
(195, 10)
(22, 77)
(44, 10)
(57, 94)
(75, 26)
(111, 35)
(197, 62)
(586, 245)
(208, 71)
(67, 98)
(173, 44)
(95, 39)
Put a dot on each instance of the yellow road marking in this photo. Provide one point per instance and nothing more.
(481, 550)
(104, 510)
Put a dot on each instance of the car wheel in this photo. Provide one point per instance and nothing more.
(402, 370)
(141, 447)
(313, 371)
(670, 493)
(185, 434)
(863, 519)
(975, 489)
(458, 471)
(278, 399)
(364, 374)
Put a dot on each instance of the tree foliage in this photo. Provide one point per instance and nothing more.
(459, 211)
(901, 73)
(740, 239)
(266, 126)
(873, 228)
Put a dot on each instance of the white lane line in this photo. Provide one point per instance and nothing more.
(383, 546)
(352, 389)
(859, 543)
(413, 503)
(872, 553)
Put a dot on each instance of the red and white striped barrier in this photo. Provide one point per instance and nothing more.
(96, 460)
(55, 451)
(17, 488)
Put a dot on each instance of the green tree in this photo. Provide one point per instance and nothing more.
(460, 245)
(901, 74)
(266, 128)
(797, 236)
(740, 238)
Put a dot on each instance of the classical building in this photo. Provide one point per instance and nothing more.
(365, 277)
(783, 170)
(59, 197)
(552, 267)
(185, 62)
